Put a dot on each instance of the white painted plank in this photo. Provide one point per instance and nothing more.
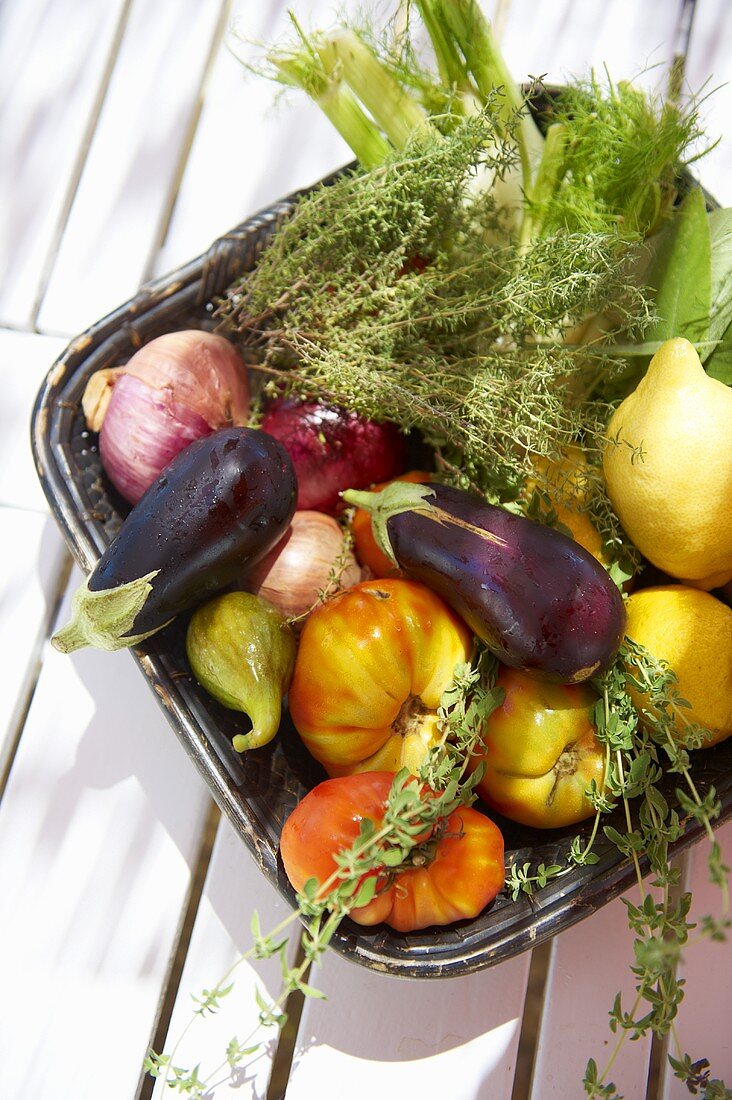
(588, 965)
(25, 359)
(454, 1038)
(703, 1024)
(53, 60)
(710, 60)
(569, 37)
(235, 887)
(98, 826)
(133, 160)
(247, 152)
(31, 556)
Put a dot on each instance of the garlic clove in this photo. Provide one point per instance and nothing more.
(97, 395)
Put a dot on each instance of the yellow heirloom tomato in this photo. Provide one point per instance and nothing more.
(371, 668)
(541, 752)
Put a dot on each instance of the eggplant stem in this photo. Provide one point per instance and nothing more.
(441, 516)
(104, 618)
(402, 496)
(399, 496)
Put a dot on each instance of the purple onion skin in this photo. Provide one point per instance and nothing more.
(332, 450)
(143, 430)
(225, 500)
(539, 601)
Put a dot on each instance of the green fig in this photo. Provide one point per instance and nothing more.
(242, 651)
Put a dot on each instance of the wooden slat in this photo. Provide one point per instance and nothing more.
(589, 964)
(243, 156)
(32, 558)
(246, 152)
(235, 165)
(133, 161)
(24, 360)
(98, 825)
(569, 37)
(709, 63)
(702, 1029)
(703, 1024)
(456, 1037)
(54, 56)
(234, 888)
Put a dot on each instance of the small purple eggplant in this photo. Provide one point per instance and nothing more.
(225, 500)
(538, 600)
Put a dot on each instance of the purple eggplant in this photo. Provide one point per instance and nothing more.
(538, 600)
(225, 500)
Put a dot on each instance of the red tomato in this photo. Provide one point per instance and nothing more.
(465, 875)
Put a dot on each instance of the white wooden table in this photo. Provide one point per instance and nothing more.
(130, 140)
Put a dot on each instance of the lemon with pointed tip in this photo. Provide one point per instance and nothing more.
(692, 632)
(668, 467)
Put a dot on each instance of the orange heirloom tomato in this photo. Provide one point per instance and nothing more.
(465, 875)
(541, 752)
(365, 545)
(371, 668)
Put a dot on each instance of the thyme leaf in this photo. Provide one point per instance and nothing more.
(642, 746)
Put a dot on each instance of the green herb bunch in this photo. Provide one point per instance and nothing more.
(451, 280)
(381, 294)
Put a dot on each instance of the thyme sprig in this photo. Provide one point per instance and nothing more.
(416, 806)
(640, 745)
(380, 294)
(643, 745)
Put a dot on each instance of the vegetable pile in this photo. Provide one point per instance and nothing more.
(522, 292)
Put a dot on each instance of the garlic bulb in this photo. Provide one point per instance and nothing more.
(313, 556)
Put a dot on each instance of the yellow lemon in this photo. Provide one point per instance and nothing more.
(692, 632)
(669, 470)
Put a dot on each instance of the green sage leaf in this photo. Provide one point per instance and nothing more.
(680, 274)
(719, 363)
(720, 316)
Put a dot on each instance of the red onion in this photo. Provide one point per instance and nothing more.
(333, 449)
(174, 390)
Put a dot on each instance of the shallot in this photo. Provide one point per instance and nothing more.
(174, 390)
(312, 558)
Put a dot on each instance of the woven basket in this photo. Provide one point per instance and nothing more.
(259, 790)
